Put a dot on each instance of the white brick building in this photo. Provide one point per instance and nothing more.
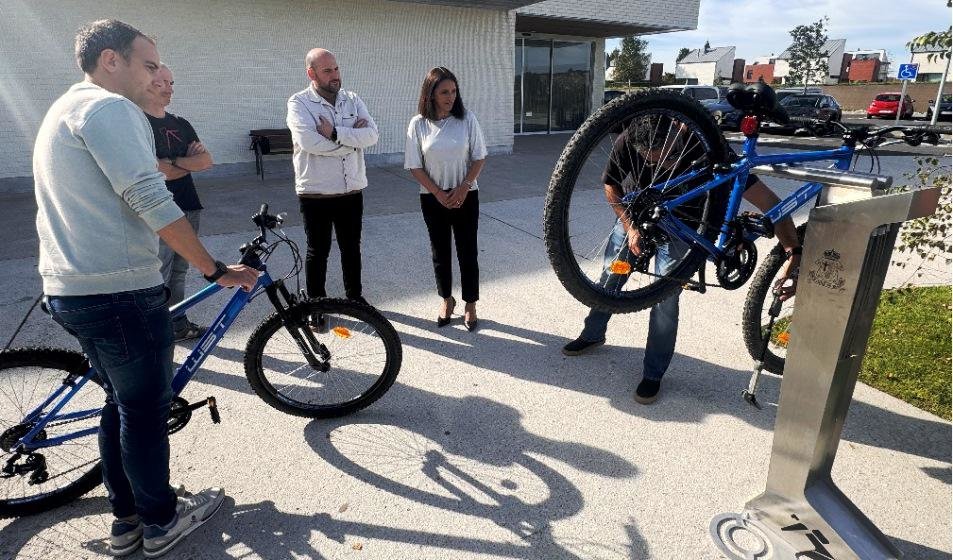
(523, 66)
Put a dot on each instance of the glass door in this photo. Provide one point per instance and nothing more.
(571, 84)
(537, 65)
(552, 85)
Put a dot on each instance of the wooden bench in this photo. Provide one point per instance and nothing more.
(268, 141)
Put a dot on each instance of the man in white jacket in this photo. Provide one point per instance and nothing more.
(330, 128)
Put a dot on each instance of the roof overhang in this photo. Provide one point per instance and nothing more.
(583, 27)
(484, 4)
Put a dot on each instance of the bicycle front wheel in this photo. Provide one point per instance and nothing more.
(39, 480)
(755, 318)
(640, 140)
(354, 358)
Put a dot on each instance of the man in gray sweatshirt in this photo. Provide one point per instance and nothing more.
(101, 201)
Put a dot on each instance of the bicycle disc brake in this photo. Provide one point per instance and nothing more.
(737, 265)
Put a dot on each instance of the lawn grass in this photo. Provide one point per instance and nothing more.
(908, 355)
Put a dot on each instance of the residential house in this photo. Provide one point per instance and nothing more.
(930, 67)
(833, 51)
(706, 66)
(870, 65)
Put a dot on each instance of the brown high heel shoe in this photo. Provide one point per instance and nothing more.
(470, 320)
(443, 321)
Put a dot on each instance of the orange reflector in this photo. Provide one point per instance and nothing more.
(620, 267)
(749, 125)
(342, 332)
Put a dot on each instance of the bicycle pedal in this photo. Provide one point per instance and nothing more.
(757, 223)
(213, 410)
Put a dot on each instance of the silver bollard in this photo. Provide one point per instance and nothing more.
(802, 515)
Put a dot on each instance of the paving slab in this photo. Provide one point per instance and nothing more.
(493, 444)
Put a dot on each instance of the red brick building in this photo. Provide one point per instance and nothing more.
(754, 72)
(864, 70)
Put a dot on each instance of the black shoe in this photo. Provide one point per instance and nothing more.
(471, 325)
(581, 346)
(190, 331)
(360, 300)
(647, 391)
(318, 324)
(444, 321)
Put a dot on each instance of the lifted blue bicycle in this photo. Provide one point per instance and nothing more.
(657, 160)
(318, 358)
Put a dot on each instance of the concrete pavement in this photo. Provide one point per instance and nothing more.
(492, 444)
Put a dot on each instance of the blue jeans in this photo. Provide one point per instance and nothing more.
(663, 319)
(127, 337)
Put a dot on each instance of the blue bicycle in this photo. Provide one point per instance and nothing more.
(317, 358)
(657, 161)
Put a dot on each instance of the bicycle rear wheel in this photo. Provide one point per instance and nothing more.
(362, 360)
(28, 377)
(579, 218)
(754, 319)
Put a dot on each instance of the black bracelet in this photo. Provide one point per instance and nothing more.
(794, 251)
(220, 270)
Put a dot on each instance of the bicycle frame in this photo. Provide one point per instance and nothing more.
(183, 374)
(739, 173)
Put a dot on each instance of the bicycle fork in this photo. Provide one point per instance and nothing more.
(749, 394)
(298, 328)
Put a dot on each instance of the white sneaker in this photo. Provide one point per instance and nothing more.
(192, 511)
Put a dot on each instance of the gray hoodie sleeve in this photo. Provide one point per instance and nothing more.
(120, 139)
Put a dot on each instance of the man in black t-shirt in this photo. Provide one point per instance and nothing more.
(180, 152)
(652, 150)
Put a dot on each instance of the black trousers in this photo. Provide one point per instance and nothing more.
(461, 223)
(345, 214)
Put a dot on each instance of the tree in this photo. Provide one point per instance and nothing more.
(806, 57)
(633, 61)
(682, 53)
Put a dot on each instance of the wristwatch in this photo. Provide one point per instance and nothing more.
(220, 270)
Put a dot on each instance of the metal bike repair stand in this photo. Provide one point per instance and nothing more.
(802, 514)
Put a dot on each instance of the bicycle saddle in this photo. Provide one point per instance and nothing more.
(757, 99)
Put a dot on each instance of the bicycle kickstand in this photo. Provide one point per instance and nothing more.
(750, 394)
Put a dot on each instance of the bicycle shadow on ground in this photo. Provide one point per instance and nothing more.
(468, 456)
(262, 529)
(692, 390)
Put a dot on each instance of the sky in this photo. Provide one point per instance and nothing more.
(761, 27)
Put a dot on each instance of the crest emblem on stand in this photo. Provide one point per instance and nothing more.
(828, 271)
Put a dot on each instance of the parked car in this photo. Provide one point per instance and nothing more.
(724, 114)
(611, 94)
(802, 108)
(782, 93)
(887, 104)
(700, 93)
(945, 108)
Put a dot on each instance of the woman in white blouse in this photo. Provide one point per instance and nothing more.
(445, 153)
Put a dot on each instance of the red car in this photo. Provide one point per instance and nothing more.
(886, 104)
